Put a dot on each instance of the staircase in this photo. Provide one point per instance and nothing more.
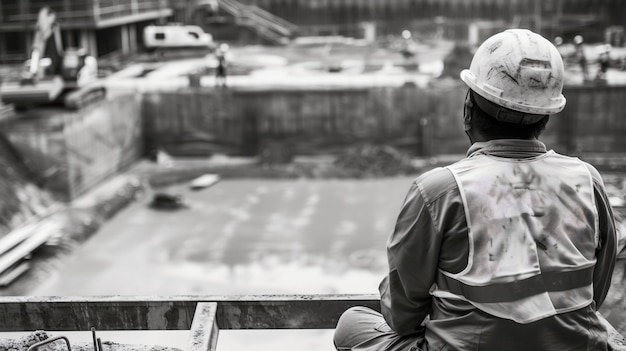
(267, 25)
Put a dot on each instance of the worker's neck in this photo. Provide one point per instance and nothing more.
(481, 138)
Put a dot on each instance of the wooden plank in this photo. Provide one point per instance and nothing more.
(44, 232)
(16, 236)
(204, 181)
(102, 313)
(287, 312)
(10, 275)
(24, 313)
(204, 329)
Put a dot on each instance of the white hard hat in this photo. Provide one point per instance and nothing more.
(558, 40)
(406, 34)
(224, 47)
(578, 39)
(521, 71)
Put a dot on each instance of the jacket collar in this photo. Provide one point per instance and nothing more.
(511, 148)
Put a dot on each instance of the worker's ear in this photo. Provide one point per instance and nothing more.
(467, 112)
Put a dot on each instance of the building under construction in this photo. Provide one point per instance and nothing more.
(346, 11)
(100, 26)
(450, 18)
(551, 18)
(106, 26)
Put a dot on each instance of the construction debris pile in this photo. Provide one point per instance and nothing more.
(23, 343)
(371, 160)
(39, 336)
(21, 199)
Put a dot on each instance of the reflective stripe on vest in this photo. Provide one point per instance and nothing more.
(533, 232)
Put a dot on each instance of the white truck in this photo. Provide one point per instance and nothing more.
(176, 36)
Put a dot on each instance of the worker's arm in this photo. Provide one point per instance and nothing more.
(430, 210)
(606, 251)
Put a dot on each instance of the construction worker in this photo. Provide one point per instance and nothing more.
(221, 69)
(408, 50)
(511, 248)
(581, 58)
(604, 61)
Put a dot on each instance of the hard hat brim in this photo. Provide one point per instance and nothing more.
(495, 95)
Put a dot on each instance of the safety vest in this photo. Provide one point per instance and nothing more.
(533, 232)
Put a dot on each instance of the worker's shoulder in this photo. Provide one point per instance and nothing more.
(595, 174)
(593, 171)
(436, 182)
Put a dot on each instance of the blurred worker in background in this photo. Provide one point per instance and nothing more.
(581, 58)
(604, 61)
(408, 50)
(221, 69)
(558, 43)
(511, 248)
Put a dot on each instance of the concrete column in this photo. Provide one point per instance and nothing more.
(3, 46)
(88, 41)
(29, 43)
(132, 37)
(96, 10)
(67, 39)
(124, 39)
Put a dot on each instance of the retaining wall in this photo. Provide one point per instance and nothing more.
(71, 151)
(593, 120)
(424, 122)
(309, 121)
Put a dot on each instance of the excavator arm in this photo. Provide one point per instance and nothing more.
(41, 81)
(46, 44)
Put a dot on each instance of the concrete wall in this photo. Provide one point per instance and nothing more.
(593, 120)
(311, 121)
(71, 151)
(422, 121)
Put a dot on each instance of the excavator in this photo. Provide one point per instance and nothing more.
(52, 75)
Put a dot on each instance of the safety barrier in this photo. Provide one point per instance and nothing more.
(203, 316)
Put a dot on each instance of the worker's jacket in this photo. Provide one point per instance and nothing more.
(512, 248)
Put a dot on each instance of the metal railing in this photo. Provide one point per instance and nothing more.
(266, 24)
(203, 316)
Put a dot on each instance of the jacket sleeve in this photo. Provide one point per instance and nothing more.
(606, 251)
(412, 252)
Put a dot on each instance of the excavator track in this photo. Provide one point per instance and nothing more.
(24, 95)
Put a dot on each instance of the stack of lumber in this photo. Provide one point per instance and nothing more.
(6, 111)
(17, 246)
